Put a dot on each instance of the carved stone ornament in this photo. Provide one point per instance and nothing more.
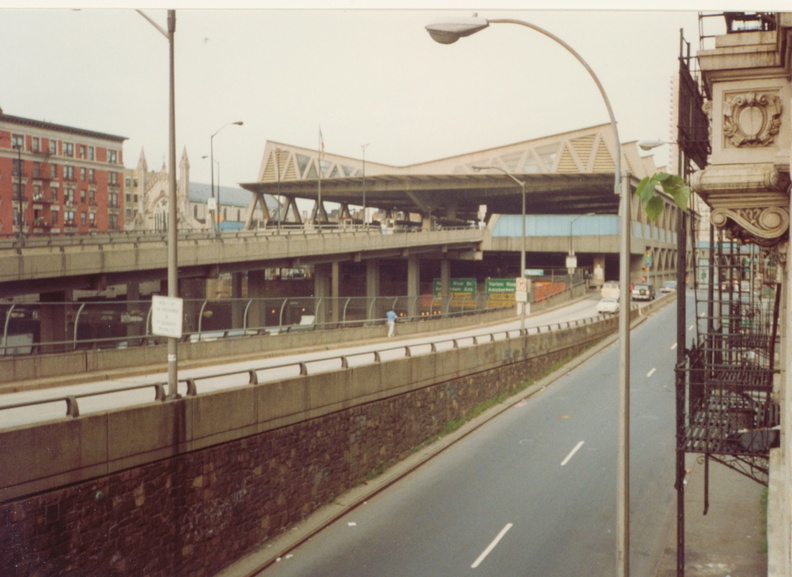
(763, 226)
(752, 119)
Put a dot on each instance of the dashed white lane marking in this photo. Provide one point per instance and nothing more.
(492, 545)
(572, 453)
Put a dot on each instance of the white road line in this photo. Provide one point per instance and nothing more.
(492, 545)
(572, 453)
(651, 373)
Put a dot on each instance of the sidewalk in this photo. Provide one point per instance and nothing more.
(729, 540)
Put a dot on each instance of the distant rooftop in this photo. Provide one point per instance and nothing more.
(58, 127)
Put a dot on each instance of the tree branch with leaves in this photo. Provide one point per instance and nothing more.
(671, 184)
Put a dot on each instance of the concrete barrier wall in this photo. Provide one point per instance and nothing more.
(17, 369)
(39, 457)
(78, 363)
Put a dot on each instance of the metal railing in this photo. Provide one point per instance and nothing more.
(122, 324)
(11, 242)
(114, 324)
(190, 386)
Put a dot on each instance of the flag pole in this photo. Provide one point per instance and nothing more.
(319, 191)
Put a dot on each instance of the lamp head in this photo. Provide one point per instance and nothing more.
(650, 144)
(450, 30)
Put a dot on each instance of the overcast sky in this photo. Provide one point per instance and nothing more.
(365, 76)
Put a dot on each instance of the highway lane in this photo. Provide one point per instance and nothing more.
(532, 492)
(283, 366)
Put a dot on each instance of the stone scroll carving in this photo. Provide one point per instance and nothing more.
(764, 226)
(751, 119)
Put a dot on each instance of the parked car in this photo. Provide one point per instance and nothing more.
(607, 306)
(669, 286)
(643, 291)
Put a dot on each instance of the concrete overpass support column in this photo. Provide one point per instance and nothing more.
(193, 291)
(322, 286)
(445, 281)
(336, 291)
(598, 272)
(413, 286)
(237, 305)
(257, 290)
(54, 320)
(372, 289)
(136, 311)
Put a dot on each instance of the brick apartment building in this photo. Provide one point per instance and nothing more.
(57, 179)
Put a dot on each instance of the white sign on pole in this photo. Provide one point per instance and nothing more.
(211, 203)
(521, 289)
(166, 316)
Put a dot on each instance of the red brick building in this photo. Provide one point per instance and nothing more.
(57, 179)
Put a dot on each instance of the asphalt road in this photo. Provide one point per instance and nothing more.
(532, 492)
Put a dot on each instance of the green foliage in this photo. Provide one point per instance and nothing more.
(672, 185)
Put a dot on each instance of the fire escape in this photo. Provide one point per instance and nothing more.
(730, 415)
(724, 380)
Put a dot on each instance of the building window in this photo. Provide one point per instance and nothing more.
(83, 219)
(81, 151)
(90, 153)
(82, 174)
(54, 194)
(35, 144)
(82, 196)
(68, 149)
(68, 173)
(54, 218)
(113, 176)
(36, 170)
(112, 156)
(18, 141)
(69, 196)
(53, 146)
(91, 175)
(92, 197)
(92, 219)
(113, 222)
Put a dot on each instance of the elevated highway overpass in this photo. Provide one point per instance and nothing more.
(48, 264)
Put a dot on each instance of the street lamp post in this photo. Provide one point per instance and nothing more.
(448, 32)
(278, 176)
(173, 275)
(571, 260)
(217, 162)
(522, 212)
(20, 216)
(216, 200)
(363, 147)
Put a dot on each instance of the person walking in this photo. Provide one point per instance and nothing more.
(391, 322)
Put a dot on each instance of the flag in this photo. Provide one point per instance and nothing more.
(321, 142)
